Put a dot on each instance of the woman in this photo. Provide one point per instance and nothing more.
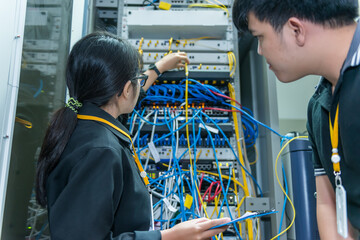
(87, 175)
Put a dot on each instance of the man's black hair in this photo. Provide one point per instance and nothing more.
(331, 13)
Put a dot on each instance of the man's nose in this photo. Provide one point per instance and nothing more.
(259, 49)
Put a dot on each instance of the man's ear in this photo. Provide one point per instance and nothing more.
(128, 88)
(298, 29)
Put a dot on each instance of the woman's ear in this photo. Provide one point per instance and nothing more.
(127, 91)
(298, 29)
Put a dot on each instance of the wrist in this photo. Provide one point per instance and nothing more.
(153, 67)
(160, 67)
(166, 234)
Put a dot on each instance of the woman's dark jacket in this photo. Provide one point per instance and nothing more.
(96, 192)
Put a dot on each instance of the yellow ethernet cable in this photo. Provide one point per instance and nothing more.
(222, 6)
(248, 222)
(140, 46)
(277, 178)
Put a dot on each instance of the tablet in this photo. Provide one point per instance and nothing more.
(247, 216)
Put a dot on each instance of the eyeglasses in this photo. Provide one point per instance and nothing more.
(141, 78)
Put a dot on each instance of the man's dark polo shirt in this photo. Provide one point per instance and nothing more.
(347, 95)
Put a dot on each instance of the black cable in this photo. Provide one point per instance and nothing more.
(151, 3)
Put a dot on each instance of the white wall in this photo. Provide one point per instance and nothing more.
(292, 100)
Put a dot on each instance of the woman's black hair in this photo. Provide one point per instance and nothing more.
(98, 67)
(331, 13)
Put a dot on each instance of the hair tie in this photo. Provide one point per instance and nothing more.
(73, 104)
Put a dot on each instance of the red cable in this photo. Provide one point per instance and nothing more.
(224, 96)
(208, 191)
(202, 177)
(217, 191)
(220, 109)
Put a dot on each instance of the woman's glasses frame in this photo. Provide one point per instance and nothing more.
(142, 78)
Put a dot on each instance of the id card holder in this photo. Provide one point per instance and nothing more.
(341, 211)
(152, 225)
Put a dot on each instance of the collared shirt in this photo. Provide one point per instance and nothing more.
(323, 102)
(95, 191)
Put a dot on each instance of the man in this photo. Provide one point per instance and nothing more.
(308, 37)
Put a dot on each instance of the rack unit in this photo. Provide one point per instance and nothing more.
(211, 45)
(190, 28)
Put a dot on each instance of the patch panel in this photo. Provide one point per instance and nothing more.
(232, 202)
(170, 77)
(178, 3)
(204, 165)
(224, 164)
(203, 141)
(189, 2)
(211, 166)
(215, 77)
(205, 153)
(40, 57)
(47, 70)
(180, 110)
(195, 58)
(41, 45)
(208, 153)
(221, 120)
(200, 68)
(184, 45)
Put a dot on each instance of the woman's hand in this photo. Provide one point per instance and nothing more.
(196, 229)
(171, 61)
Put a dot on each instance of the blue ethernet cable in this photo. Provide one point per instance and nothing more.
(187, 150)
(227, 204)
(194, 143)
(138, 135)
(181, 127)
(195, 170)
(38, 236)
(222, 184)
(262, 124)
(231, 148)
(226, 191)
(177, 167)
(190, 190)
(204, 86)
(217, 162)
(131, 121)
(156, 124)
(201, 97)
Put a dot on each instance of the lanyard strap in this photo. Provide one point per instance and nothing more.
(334, 136)
(137, 161)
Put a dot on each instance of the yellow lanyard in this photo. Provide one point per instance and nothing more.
(137, 161)
(334, 136)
